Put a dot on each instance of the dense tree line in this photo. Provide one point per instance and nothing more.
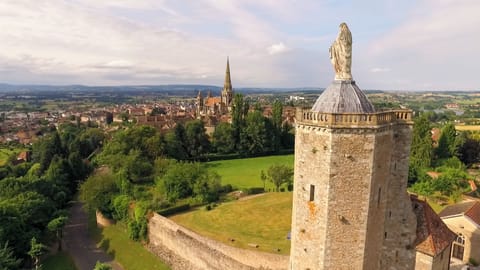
(251, 133)
(34, 195)
(138, 171)
(448, 159)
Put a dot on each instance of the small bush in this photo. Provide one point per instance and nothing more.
(208, 207)
(174, 210)
(226, 188)
(473, 262)
(137, 230)
(256, 190)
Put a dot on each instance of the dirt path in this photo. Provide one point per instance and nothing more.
(79, 245)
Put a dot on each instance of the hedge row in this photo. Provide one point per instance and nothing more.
(173, 210)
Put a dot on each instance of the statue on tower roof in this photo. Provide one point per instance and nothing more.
(341, 54)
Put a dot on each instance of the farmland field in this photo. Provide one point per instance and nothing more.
(467, 127)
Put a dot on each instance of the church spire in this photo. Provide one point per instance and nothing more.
(228, 82)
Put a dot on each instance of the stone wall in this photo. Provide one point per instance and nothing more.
(102, 221)
(183, 249)
(439, 262)
(400, 220)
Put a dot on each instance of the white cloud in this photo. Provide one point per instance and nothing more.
(379, 70)
(277, 48)
(435, 48)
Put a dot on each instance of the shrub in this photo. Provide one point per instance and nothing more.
(473, 262)
(174, 210)
(137, 229)
(226, 188)
(256, 190)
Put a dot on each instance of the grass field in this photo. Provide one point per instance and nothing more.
(263, 220)
(245, 173)
(59, 261)
(467, 127)
(131, 255)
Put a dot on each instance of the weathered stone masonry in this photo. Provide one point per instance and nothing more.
(183, 249)
(351, 209)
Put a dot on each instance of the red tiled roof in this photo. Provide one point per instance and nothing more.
(433, 175)
(456, 209)
(474, 213)
(473, 186)
(209, 102)
(433, 236)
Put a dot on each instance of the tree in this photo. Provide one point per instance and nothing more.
(178, 180)
(277, 112)
(421, 148)
(174, 143)
(254, 137)
(108, 118)
(279, 174)
(196, 140)
(97, 192)
(469, 151)
(8, 261)
(263, 178)
(56, 226)
(36, 250)
(239, 111)
(447, 143)
(207, 187)
(223, 140)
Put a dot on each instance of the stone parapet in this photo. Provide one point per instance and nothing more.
(307, 117)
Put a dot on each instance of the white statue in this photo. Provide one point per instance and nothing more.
(341, 54)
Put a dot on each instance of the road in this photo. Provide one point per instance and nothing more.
(77, 242)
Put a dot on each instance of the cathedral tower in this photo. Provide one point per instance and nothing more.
(227, 92)
(350, 205)
(199, 104)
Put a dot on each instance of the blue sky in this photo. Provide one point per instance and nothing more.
(398, 45)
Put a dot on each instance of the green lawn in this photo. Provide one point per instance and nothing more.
(59, 261)
(263, 220)
(245, 173)
(130, 254)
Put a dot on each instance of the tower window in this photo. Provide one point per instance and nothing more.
(378, 198)
(312, 193)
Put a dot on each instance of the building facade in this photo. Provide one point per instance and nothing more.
(464, 220)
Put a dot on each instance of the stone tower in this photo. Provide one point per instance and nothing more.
(350, 205)
(227, 92)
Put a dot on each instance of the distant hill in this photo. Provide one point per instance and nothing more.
(176, 89)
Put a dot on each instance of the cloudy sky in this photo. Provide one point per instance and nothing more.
(398, 45)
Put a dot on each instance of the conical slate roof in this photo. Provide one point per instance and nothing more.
(227, 86)
(343, 96)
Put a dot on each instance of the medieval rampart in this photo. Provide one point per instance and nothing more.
(186, 250)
